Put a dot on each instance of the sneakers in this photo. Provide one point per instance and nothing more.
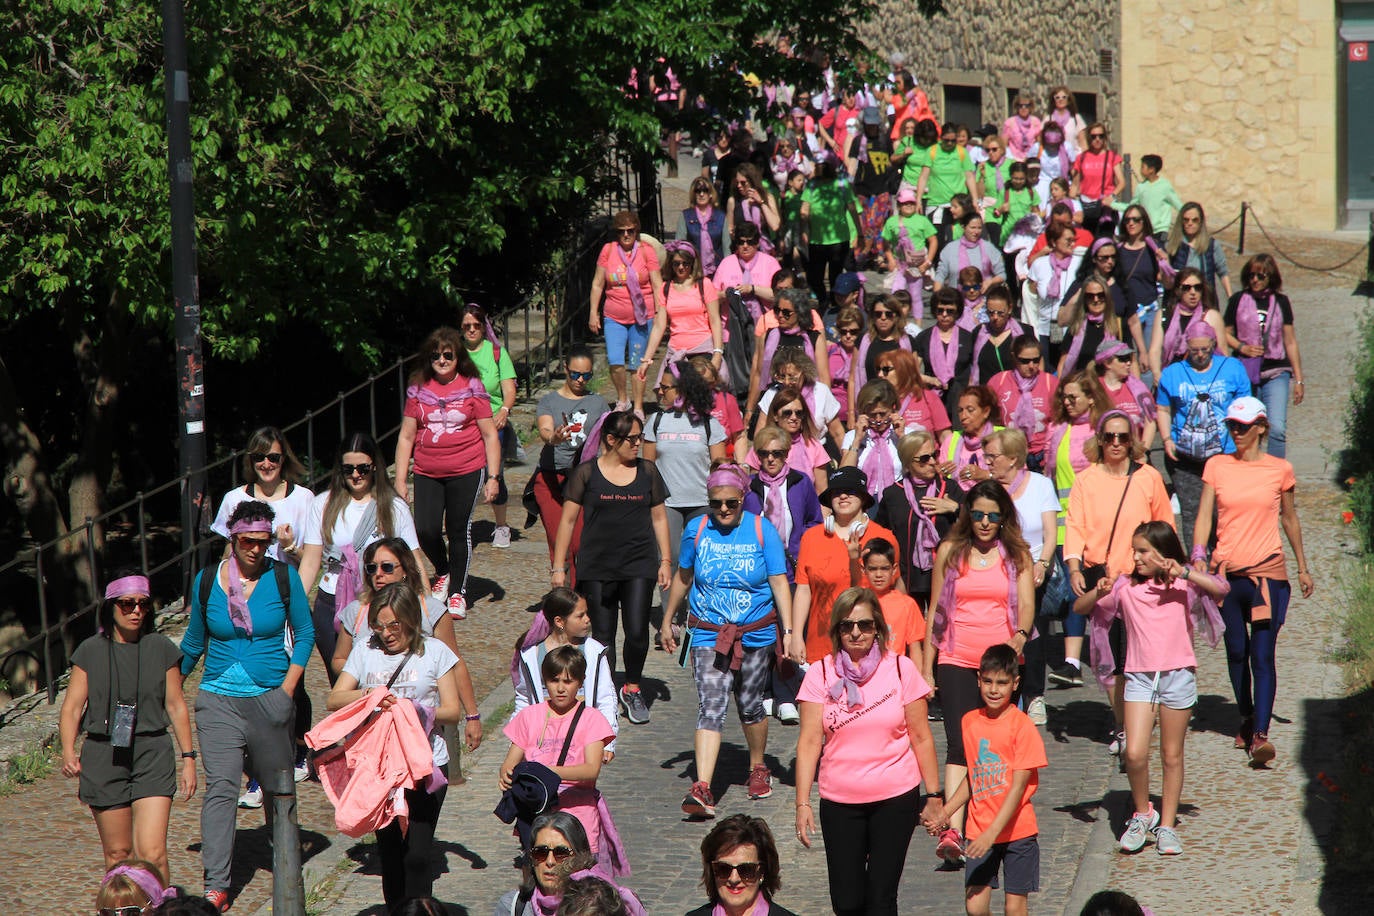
(1246, 734)
(218, 899)
(699, 802)
(458, 606)
(788, 714)
(1261, 751)
(252, 796)
(501, 537)
(439, 587)
(635, 709)
(1138, 830)
(1066, 675)
(933, 711)
(951, 846)
(760, 782)
(1035, 711)
(1117, 745)
(768, 706)
(1167, 842)
(301, 772)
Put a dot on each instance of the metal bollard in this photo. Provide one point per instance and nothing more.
(288, 882)
(1244, 209)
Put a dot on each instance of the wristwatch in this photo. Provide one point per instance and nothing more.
(1023, 633)
(189, 755)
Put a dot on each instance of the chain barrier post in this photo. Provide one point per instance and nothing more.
(1244, 207)
(1366, 287)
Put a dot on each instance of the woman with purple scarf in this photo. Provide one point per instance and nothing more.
(919, 509)
(985, 595)
(782, 494)
(627, 272)
(703, 225)
(124, 693)
(559, 855)
(1259, 328)
(864, 720)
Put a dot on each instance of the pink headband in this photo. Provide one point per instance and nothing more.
(729, 475)
(248, 525)
(1199, 328)
(681, 245)
(129, 585)
(146, 881)
(1102, 243)
(1112, 415)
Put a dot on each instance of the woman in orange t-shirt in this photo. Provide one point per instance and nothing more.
(984, 594)
(1250, 490)
(828, 563)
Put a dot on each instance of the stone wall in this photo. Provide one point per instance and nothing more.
(984, 43)
(1241, 107)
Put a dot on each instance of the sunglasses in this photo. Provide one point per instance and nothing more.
(730, 504)
(883, 313)
(927, 458)
(635, 439)
(776, 454)
(471, 326)
(971, 287)
(1023, 104)
(1259, 275)
(749, 872)
(129, 605)
(884, 370)
(542, 853)
(1191, 287)
(579, 376)
(786, 313)
(1238, 428)
(706, 191)
(121, 910)
(1095, 297)
(1028, 360)
(1105, 257)
(847, 332)
(978, 516)
(392, 627)
(247, 543)
(750, 242)
(388, 568)
(269, 457)
(998, 313)
(1134, 219)
(792, 413)
(866, 625)
(1115, 438)
(946, 310)
(1097, 136)
(360, 470)
(627, 232)
(1061, 98)
(441, 356)
(682, 265)
(662, 390)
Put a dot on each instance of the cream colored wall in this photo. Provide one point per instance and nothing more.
(1240, 100)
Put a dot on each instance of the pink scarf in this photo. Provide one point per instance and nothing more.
(1027, 129)
(927, 537)
(1023, 417)
(861, 358)
(966, 249)
(1250, 330)
(944, 356)
(942, 625)
(775, 499)
(705, 246)
(632, 281)
(1076, 348)
(852, 676)
(1062, 154)
(983, 338)
(753, 213)
(795, 337)
(238, 601)
(746, 273)
(969, 451)
(877, 462)
(1175, 344)
(760, 907)
(1060, 266)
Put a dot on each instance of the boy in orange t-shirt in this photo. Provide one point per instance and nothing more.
(1004, 753)
(906, 624)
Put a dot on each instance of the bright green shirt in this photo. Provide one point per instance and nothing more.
(830, 203)
(948, 174)
(492, 373)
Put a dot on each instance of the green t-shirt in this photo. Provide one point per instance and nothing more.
(918, 229)
(492, 373)
(1020, 204)
(948, 175)
(911, 166)
(830, 204)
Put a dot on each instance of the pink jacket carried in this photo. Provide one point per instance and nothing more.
(384, 752)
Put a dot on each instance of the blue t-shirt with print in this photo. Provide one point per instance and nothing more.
(730, 575)
(1223, 381)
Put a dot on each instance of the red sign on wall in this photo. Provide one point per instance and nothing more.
(1359, 51)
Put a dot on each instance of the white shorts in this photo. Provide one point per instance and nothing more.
(1176, 689)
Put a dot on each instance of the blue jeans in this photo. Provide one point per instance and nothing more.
(1274, 394)
(1250, 647)
(623, 337)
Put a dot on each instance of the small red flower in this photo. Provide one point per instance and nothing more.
(1348, 517)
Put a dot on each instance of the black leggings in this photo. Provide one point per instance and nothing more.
(821, 257)
(446, 504)
(865, 850)
(326, 634)
(958, 694)
(406, 869)
(632, 598)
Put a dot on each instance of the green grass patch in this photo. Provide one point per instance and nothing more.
(33, 765)
(493, 723)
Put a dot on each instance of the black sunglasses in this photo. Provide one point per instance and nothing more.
(1028, 360)
(978, 515)
(1190, 287)
(388, 568)
(867, 625)
(269, 457)
(542, 853)
(129, 605)
(445, 355)
(578, 376)
(731, 504)
(362, 470)
(1115, 438)
(785, 313)
(775, 453)
(923, 459)
(749, 872)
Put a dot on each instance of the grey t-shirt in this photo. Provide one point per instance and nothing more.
(683, 455)
(140, 676)
(581, 414)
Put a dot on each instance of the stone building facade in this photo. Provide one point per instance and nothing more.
(1244, 99)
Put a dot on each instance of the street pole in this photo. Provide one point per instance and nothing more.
(185, 287)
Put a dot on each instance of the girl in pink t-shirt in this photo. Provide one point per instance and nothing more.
(1160, 604)
(539, 733)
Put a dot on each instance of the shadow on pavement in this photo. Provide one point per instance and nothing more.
(1338, 780)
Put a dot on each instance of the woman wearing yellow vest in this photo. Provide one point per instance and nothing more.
(979, 414)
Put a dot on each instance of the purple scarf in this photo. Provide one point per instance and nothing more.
(877, 462)
(238, 601)
(746, 276)
(705, 246)
(753, 213)
(860, 363)
(429, 398)
(1250, 331)
(1202, 615)
(775, 499)
(1023, 417)
(760, 907)
(944, 356)
(632, 281)
(927, 537)
(547, 904)
(1059, 266)
(852, 676)
(1175, 344)
(983, 338)
(1062, 154)
(1076, 348)
(968, 450)
(966, 249)
(537, 633)
(774, 339)
(942, 624)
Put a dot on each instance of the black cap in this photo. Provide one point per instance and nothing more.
(847, 480)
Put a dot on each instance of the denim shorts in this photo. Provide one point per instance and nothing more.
(619, 337)
(1175, 689)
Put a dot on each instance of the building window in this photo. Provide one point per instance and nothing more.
(964, 105)
(1012, 95)
(1087, 106)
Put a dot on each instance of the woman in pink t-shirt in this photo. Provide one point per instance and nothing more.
(627, 271)
(447, 426)
(1161, 603)
(690, 317)
(984, 592)
(863, 718)
(788, 411)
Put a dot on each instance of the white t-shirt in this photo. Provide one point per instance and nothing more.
(1041, 273)
(863, 452)
(419, 681)
(827, 407)
(432, 608)
(292, 509)
(348, 519)
(1037, 498)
